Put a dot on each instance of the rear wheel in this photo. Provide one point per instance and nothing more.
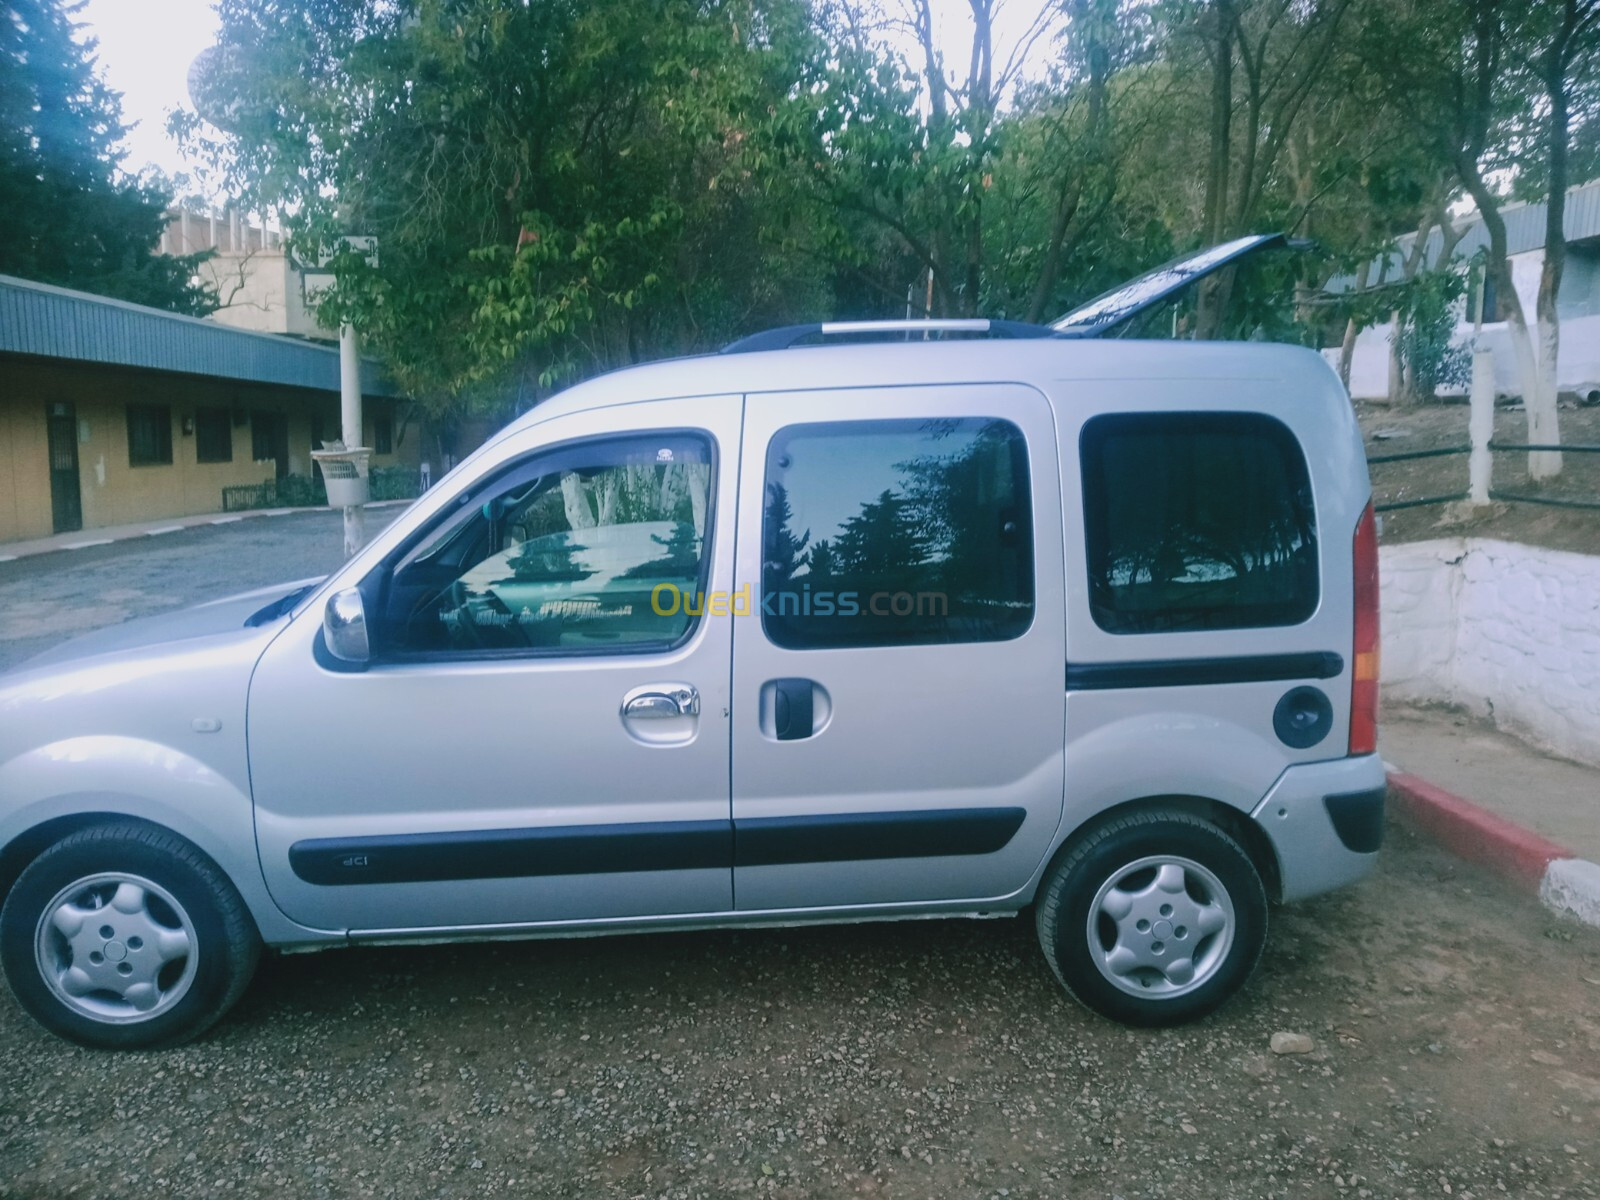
(125, 936)
(1153, 918)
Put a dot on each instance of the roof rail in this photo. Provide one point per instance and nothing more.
(786, 336)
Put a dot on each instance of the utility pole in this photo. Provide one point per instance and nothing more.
(355, 515)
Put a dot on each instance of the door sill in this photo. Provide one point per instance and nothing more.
(990, 909)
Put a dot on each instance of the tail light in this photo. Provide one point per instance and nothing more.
(1364, 682)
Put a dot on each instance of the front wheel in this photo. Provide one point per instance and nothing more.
(1153, 918)
(125, 936)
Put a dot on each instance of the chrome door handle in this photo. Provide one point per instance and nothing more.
(655, 701)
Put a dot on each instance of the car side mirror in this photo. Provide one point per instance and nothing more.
(344, 626)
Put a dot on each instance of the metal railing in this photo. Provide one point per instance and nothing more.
(1409, 456)
(1494, 493)
(246, 496)
(1551, 501)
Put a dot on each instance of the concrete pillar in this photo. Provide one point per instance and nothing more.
(1480, 425)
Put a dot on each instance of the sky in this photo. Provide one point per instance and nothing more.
(146, 47)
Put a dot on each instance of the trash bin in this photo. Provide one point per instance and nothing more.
(344, 474)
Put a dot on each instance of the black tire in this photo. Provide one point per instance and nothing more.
(225, 944)
(1105, 853)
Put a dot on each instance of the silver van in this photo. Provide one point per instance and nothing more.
(1032, 622)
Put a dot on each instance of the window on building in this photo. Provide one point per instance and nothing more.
(896, 533)
(1197, 521)
(599, 546)
(213, 435)
(383, 434)
(149, 435)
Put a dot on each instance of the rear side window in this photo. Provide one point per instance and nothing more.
(1197, 521)
(896, 533)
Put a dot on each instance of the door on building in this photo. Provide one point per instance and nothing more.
(66, 494)
(269, 440)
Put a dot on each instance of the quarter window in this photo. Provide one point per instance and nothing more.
(149, 435)
(1197, 521)
(896, 533)
(593, 547)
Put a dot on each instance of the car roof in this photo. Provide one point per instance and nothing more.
(1033, 361)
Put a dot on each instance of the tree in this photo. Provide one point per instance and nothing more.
(785, 552)
(1566, 44)
(911, 145)
(1470, 74)
(557, 188)
(72, 217)
(1069, 216)
(1263, 60)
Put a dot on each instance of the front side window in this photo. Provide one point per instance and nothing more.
(593, 547)
(1197, 521)
(896, 533)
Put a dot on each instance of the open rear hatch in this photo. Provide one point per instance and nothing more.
(1126, 301)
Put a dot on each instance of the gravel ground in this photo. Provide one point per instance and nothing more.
(1457, 1052)
(1456, 1032)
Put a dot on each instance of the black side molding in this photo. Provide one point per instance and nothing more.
(653, 846)
(1191, 672)
(514, 853)
(1358, 819)
(854, 837)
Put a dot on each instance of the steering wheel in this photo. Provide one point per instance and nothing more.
(466, 631)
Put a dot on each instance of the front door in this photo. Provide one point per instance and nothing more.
(541, 736)
(66, 494)
(269, 439)
(899, 704)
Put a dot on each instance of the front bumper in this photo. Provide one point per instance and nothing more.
(1325, 821)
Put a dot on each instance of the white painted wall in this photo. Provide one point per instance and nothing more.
(1506, 630)
(1578, 368)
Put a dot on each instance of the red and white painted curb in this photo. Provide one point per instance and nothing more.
(1563, 881)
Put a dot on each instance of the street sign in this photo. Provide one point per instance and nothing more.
(317, 277)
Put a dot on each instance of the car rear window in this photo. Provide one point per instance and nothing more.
(1197, 521)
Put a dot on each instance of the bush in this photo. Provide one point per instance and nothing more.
(302, 491)
(394, 483)
(1422, 338)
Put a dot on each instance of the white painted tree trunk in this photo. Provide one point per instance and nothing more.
(575, 501)
(1481, 426)
(1544, 420)
(1528, 373)
(1397, 378)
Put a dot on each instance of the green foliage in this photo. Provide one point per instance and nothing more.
(1422, 336)
(559, 187)
(394, 483)
(71, 217)
(301, 491)
(556, 187)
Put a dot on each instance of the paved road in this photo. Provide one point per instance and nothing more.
(1456, 1023)
(49, 597)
